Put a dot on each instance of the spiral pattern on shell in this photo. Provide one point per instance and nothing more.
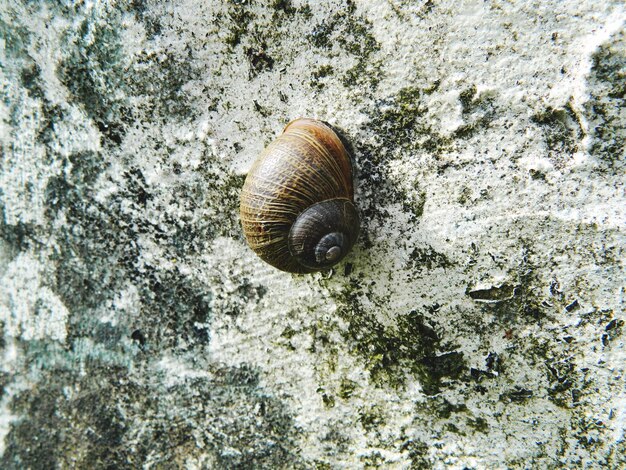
(297, 209)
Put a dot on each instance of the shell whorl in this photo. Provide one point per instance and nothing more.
(304, 166)
(324, 233)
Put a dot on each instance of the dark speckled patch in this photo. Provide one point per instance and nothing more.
(18, 237)
(398, 121)
(608, 99)
(96, 418)
(99, 249)
(5, 376)
(515, 301)
(93, 70)
(562, 132)
(56, 428)
(105, 418)
(15, 36)
(413, 347)
(98, 77)
(398, 124)
(352, 33)
(478, 111)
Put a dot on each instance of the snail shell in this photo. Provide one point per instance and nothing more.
(297, 208)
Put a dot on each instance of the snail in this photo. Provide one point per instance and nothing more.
(297, 203)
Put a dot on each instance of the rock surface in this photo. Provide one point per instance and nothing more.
(479, 321)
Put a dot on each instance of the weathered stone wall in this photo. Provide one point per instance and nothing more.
(479, 321)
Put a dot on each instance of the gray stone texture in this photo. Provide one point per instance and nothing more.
(479, 321)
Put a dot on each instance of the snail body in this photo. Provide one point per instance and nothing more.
(297, 209)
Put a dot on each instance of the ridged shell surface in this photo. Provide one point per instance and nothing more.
(332, 225)
(307, 164)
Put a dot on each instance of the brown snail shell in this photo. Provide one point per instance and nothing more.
(297, 209)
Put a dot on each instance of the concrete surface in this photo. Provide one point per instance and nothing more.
(477, 324)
